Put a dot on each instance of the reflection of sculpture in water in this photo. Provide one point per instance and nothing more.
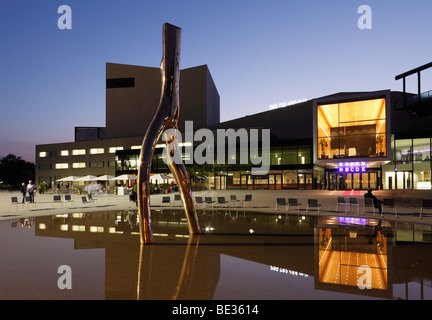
(166, 117)
(145, 265)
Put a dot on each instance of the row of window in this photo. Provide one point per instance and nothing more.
(80, 152)
(76, 165)
(80, 228)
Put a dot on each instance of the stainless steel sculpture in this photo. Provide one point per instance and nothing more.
(166, 117)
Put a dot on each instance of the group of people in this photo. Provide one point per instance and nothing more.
(30, 188)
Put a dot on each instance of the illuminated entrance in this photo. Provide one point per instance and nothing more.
(353, 180)
(354, 129)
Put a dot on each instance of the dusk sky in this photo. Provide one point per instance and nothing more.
(259, 53)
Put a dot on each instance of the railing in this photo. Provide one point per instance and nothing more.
(414, 100)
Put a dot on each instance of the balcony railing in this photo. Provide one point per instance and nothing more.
(425, 97)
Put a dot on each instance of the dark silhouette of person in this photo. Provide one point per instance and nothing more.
(377, 203)
(23, 192)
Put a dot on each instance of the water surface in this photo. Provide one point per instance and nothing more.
(240, 256)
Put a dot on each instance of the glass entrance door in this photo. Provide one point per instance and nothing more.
(372, 180)
(404, 180)
(275, 181)
(357, 180)
(246, 181)
(305, 180)
(220, 182)
(353, 181)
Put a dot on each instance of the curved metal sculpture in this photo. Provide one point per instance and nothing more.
(166, 117)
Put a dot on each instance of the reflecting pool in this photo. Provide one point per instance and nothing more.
(240, 256)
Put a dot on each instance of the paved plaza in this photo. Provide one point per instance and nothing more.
(408, 203)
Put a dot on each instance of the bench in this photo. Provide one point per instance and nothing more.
(355, 203)
(292, 202)
(85, 201)
(166, 200)
(15, 201)
(313, 203)
(57, 199)
(342, 202)
(222, 201)
(425, 204)
(248, 198)
(389, 203)
(368, 203)
(68, 199)
(281, 202)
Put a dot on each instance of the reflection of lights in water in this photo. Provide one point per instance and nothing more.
(287, 271)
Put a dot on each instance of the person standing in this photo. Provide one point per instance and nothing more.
(23, 190)
(30, 189)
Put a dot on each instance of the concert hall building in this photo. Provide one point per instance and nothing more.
(343, 141)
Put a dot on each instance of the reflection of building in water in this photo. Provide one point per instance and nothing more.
(354, 253)
(329, 249)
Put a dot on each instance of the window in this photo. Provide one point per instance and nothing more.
(96, 164)
(304, 155)
(96, 229)
(111, 163)
(275, 156)
(77, 165)
(78, 152)
(403, 151)
(97, 150)
(78, 228)
(120, 83)
(43, 154)
(352, 129)
(289, 155)
(44, 166)
(114, 149)
(135, 147)
(61, 165)
(422, 164)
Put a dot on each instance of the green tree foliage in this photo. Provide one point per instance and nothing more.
(14, 170)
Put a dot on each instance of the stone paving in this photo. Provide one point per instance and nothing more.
(408, 203)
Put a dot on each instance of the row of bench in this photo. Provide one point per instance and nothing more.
(352, 202)
(293, 202)
(205, 202)
(57, 199)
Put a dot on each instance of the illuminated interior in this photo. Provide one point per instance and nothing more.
(341, 267)
(352, 129)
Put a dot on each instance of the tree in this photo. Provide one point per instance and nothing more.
(14, 170)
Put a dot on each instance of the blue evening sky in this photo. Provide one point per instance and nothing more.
(258, 52)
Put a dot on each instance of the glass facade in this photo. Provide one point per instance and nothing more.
(410, 167)
(352, 129)
(290, 168)
(350, 134)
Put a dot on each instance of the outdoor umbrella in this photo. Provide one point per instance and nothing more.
(86, 178)
(125, 177)
(105, 177)
(70, 178)
(159, 177)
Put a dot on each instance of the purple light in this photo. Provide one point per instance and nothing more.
(352, 167)
(352, 220)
